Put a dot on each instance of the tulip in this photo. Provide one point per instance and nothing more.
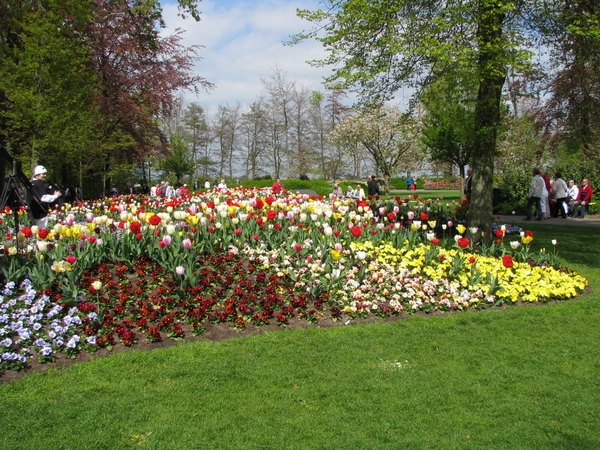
(187, 243)
(336, 254)
(179, 270)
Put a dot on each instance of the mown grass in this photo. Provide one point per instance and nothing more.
(516, 377)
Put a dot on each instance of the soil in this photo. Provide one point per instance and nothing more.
(214, 332)
(222, 331)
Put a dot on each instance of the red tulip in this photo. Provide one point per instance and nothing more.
(154, 220)
(463, 242)
(356, 231)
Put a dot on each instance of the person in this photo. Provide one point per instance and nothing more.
(185, 191)
(572, 196)
(222, 185)
(545, 195)
(207, 185)
(77, 196)
(114, 191)
(536, 189)
(372, 186)
(552, 202)
(409, 183)
(559, 190)
(337, 191)
(169, 191)
(359, 192)
(277, 187)
(45, 193)
(469, 183)
(585, 196)
(350, 192)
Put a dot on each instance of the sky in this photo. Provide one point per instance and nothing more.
(242, 42)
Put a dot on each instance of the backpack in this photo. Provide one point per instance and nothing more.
(158, 190)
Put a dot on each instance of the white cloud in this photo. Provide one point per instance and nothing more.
(243, 43)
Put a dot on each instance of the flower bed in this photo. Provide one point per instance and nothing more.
(136, 269)
(442, 185)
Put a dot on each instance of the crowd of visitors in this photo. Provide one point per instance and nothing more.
(552, 197)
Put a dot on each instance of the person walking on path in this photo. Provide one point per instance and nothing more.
(469, 183)
(560, 191)
(372, 186)
(536, 188)
(545, 195)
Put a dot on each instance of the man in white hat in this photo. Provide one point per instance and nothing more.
(44, 192)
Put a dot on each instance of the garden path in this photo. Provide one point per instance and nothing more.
(591, 220)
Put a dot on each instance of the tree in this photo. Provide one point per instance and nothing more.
(254, 128)
(379, 47)
(141, 71)
(227, 132)
(326, 112)
(81, 76)
(178, 160)
(278, 94)
(389, 136)
(449, 121)
(570, 102)
(197, 134)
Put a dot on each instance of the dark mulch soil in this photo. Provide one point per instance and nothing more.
(214, 332)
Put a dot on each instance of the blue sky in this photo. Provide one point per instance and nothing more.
(243, 44)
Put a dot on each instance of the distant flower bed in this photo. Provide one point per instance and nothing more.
(442, 185)
(133, 268)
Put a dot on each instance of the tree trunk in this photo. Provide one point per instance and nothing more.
(487, 116)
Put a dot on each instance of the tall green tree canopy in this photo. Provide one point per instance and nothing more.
(89, 77)
(379, 47)
(449, 119)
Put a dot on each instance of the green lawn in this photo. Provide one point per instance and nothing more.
(518, 377)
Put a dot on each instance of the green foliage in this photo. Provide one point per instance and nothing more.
(515, 187)
(449, 122)
(179, 160)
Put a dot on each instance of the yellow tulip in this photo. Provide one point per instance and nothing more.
(336, 254)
